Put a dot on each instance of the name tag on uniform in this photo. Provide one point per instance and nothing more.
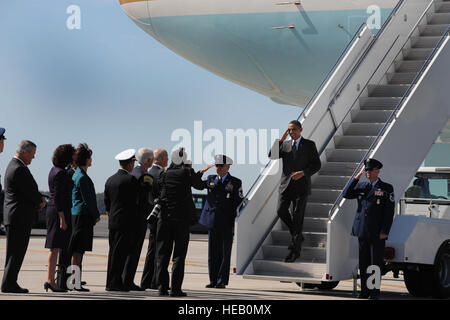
(228, 196)
(379, 193)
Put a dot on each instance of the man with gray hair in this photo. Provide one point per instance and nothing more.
(145, 200)
(149, 280)
(161, 161)
(22, 201)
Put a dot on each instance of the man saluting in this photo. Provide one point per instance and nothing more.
(373, 220)
(300, 161)
(224, 196)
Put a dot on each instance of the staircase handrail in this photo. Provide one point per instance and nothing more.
(392, 115)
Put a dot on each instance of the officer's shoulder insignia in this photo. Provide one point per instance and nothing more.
(211, 184)
(392, 197)
(148, 180)
(241, 192)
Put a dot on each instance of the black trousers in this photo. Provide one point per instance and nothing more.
(17, 239)
(132, 259)
(371, 252)
(149, 273)
(64, 261)
(295, 221)
(119, 249)
(171, 236)
(220, 242)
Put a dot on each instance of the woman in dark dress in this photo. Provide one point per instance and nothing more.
(85, 213)
(58, 214)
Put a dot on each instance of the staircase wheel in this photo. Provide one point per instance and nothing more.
(328, 285)
(307, 285)
(325, 285)
(419, 281)
(442, 273)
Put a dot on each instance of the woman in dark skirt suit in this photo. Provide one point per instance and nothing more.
(58, 214)
(84, 208)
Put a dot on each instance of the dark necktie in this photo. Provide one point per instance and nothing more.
(294, 149)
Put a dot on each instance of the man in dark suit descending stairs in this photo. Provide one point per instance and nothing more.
(300, 161)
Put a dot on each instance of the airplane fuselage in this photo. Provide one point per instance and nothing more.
(281, 49)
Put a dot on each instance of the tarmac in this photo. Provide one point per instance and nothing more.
(34, 270)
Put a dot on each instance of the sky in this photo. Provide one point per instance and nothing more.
(111, 85)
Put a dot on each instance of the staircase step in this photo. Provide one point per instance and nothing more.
(333, 182)
(417, 53)
(401, 77)
(353, 142)
(298, 269)
(281, 278)
(323, 195)
(387, 90)
(274, 252)
(338, 168)
(362, 129)
(379, 103)
(424, 42)
(311, 239)
(319, 210)
(436, 30)
(409, 66)
(439, 18)
(311, 224)
(345, 155)
(369, 116)
(443, 7)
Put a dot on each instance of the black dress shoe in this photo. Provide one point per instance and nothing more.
(163, 292)
(15, 290)
(153, 287)
(211, 285)
(220, 286)
(120, 289)
(81, 289)
(363, 295)
(53, 289)
(135, 287)
(292, 256)
(178, 293)
(374, 296)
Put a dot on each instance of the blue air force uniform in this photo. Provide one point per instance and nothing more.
(224, 196)
(374, 216)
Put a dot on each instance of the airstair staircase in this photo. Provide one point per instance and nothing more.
(361, 131)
